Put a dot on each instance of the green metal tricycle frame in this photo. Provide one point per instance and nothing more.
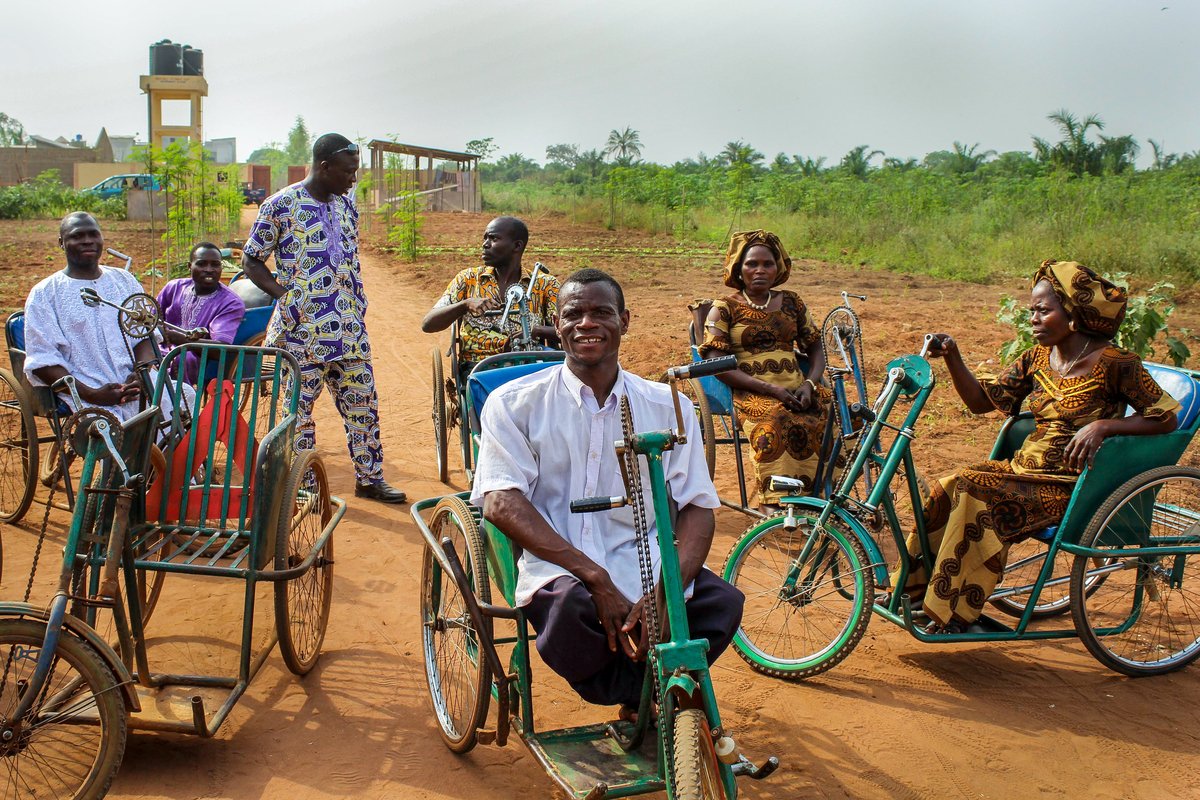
(614, 759)
(241, 513)
(1120, 459)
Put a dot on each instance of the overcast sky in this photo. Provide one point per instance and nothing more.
(810, 78)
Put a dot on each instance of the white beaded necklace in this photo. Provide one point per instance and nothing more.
(756, 306)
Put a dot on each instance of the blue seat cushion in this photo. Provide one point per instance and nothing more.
(719, 396)
(254, 323)
(1047, 535)
(14, 334)
(1182, 387)
(483, 382)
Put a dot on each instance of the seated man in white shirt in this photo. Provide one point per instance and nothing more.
(548, 439)
(65, 337)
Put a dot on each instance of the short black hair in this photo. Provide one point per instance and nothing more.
(593, 275)
(520, 230)
(201, 246)
(328, 144)
(74, 215)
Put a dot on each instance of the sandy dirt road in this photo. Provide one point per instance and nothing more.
(897, 719)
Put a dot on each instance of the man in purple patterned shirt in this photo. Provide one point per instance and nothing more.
(201, 304)
(311, 228)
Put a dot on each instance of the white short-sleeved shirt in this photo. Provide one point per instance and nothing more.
(87, 342)
(546, 436)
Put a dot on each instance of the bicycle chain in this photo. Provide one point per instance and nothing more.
(637, 503)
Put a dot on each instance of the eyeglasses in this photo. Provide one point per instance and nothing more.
(351, 148)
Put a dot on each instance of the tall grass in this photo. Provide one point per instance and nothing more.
(974, 228)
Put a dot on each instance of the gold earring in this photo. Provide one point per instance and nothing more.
(1072, 325)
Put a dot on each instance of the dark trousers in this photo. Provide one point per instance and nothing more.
(572, 642)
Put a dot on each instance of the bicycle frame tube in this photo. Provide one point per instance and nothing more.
(681, 662)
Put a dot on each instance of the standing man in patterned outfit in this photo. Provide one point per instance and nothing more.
(311, 227)
(477, 290)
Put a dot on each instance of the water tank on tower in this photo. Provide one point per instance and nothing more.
(193, 60)
(166, 58)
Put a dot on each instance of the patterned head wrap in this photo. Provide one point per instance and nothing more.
(1095, 305)
(743, 241)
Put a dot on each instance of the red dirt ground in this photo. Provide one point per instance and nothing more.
(897, 719)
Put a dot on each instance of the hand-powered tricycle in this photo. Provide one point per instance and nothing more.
(687, 752)
(1131, 534)
(449, 393)
(219, 505)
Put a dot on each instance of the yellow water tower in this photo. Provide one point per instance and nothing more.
(176, 75)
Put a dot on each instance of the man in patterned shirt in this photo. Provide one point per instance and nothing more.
(311, 227)
(477, 290)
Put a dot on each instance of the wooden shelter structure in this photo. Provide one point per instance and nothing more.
(405, 171)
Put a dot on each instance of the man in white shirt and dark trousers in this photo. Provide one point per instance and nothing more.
(547, 440)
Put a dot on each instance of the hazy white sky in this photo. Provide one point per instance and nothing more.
(803, 77)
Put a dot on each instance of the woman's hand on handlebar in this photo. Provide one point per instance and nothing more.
(942, 345)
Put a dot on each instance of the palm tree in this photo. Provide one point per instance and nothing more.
(736, 153)
(1073, 152)
(900, 164)
(592, 161)
(624, 145)
(1117, 153)
(858, 161)
(965, 159)
(809, 166)
(1163, 159)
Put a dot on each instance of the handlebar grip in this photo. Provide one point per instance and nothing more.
(860, 410)
(709, 366)
(587, 505)
(494, 312)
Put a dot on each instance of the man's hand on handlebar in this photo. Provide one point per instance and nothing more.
(478, 305)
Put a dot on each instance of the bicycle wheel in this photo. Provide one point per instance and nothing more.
(456, 672)
(440, 430)
(1144, 619)
(841, 333)
(1025, 561)
(697, 771)
(266, 369)
(18, 449)
(71, 742)
(803, 630)
(302, 603)
(150, 582)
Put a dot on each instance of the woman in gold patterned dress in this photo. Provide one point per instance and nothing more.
(781, 409)
(1077, 385)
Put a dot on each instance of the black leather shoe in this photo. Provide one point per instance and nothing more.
(380, 491)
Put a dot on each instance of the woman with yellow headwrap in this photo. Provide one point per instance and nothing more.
(1077, 384)
(779, 406)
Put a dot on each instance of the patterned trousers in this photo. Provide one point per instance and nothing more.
(352, 384)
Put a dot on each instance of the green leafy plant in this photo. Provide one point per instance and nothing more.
(1147, 319)
(198, 205)
(46, 196)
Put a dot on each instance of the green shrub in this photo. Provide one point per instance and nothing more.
(45, 197)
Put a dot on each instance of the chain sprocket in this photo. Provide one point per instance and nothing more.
(75, 430)
(139, 316)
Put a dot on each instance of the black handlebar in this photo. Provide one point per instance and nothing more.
(860, 411)
(588, 505)
(698, 369)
